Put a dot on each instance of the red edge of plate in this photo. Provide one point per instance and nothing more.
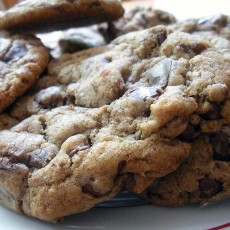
(221, 227)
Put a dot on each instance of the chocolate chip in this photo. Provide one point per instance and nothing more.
(197, 48)
(88, 188)
(143, 93)
(6, 164)
(14, 159)
(51, 97)
(189, 133)
(146, 113)
(129, 182)
(161, 37)
(221, 146)
(121, 166)
(185, 48)
(77, 149)
(220, 20)
(209, 187)
(38, 158)
(213, 22)
(90, 142)
(212, 114)
(17, 51)
(158, 75)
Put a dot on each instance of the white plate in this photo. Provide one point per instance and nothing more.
(146, 217)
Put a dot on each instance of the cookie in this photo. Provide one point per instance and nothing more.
(203, 178)
(45, 94)
(49, 92)
(6, 4)
(132, 104)
(40, 16)
(69, 159)
(217, 25)
(72, 71)
(139, 18)
(23, 59)
(98, 76)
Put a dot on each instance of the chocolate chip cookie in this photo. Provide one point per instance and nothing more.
(22, 60)
(98, 76)
(137, 19)
(131, 107)
(203, 178)
(41, 15)
(46, 93)
(70, 158)
(217, 25)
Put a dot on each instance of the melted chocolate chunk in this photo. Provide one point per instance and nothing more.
(214, 22)
(51, 97)
(147, 113)
(221, 146)
(197, 48)
(38, 158)
(143, 93)
(220, 20)
(209, 187)
(17, 51)
(88, 188)
(161, 37)
(185, 48)
(212, 114)
(77, 149)
(6, 164)
(158, 75)
(157, 78)
(121, 166)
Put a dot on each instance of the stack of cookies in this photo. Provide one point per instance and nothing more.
(148, 112)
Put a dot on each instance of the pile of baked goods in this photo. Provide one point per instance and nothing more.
(145, 106)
